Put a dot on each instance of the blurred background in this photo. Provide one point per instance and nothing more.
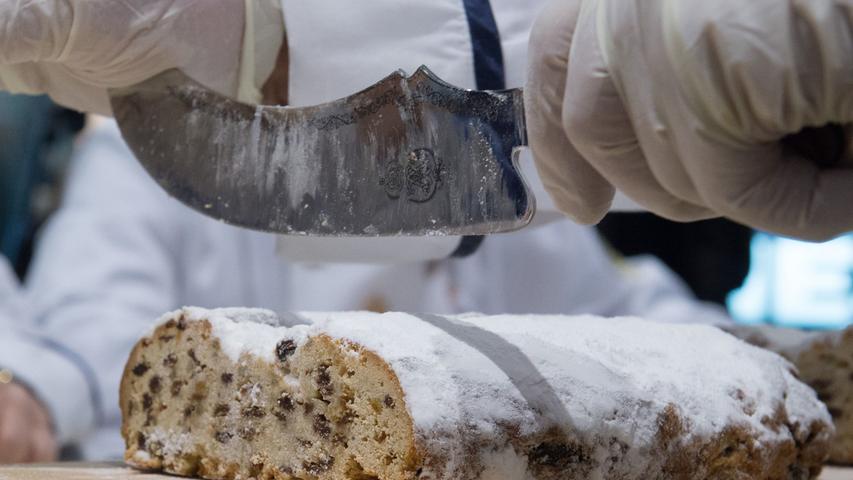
(759, 278)
(36, 139)
(797, 284)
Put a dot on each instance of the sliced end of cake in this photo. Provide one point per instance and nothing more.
(323, 409)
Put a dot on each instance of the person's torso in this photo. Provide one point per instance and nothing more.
(338, 48)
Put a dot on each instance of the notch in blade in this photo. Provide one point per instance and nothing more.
(406, 156)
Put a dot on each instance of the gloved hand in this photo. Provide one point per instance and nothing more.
(26, 434)
(682, 106)
(74, 50)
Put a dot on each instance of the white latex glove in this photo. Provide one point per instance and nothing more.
(681, 105)
(74, 50)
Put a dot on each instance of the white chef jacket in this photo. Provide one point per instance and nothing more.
(120, 252)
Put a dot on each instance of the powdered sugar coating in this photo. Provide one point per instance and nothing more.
(587, 361)
(606, 378)
(246, 330)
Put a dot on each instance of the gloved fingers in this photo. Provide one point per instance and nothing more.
(773, 188)
(755, 71)
(62, 85)
(740, 93)
(108, 43)
(598, 124)
(822, 51)
(67, 88)
(116, 44)
(577, 189)
(34, 30)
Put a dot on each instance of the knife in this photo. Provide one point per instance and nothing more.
(406, 156)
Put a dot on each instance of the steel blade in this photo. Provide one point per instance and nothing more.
(407, 156)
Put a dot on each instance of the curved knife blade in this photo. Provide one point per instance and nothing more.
(407, 156)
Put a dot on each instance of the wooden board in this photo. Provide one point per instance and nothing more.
(117, 471)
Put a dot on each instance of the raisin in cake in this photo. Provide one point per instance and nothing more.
(825, 362)
(359, 396)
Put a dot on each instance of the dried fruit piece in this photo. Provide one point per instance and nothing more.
(141, 368)
(155, 384)
(247, 433)
(254, 411)
(318, 466)
(285, 402)
(284, 349)
(171, 360)
(177, 385)
(223, 436)
(321, 426)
